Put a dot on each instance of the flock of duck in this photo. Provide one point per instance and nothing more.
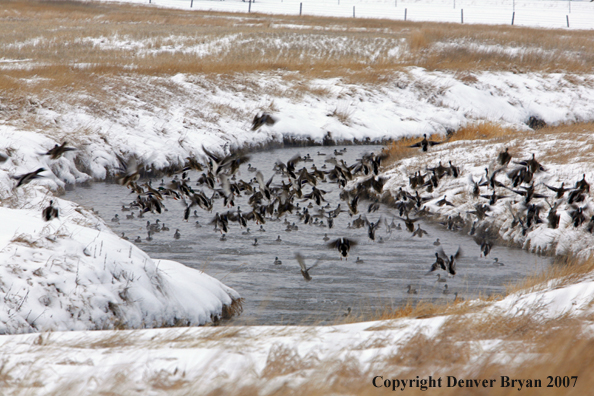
(297, 197)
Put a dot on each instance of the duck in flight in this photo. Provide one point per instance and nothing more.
(424, 144)
(304, 269)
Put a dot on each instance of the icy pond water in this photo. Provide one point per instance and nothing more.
(278, 294)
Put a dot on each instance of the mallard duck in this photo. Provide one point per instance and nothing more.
(177, 235)
(504, 157)
(304, 269)
(436, 243)
(58, 150)
(124, 237)
(255, 242)
(326, 237)
(277, 261)
(130, 216)
(116, 219)
(445, 289)
(50, 212)
(419, 232)
(424, 144)
(359, 261)
(450, 261)
(438, 264)
(138, 239)
(278, 239)
(223, 237)
(343, 246)
(411, 290)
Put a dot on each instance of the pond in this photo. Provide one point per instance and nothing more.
(279, 294)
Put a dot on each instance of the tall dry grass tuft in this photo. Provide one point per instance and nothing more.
(235, 309)
(564, 271)
(484, 131)
(418, 40)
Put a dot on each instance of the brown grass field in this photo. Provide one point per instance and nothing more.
(67, 46)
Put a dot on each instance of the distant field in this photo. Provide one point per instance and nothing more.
(535, 13)
(71, 45)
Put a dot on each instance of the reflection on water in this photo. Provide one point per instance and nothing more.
(278, 294)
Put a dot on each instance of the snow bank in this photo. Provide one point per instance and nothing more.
(186, 112)
(473, 157)
(74, 273)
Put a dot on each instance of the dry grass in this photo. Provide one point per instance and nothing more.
(485, 131)
(546, 51)
(74, 46)
(495, 133)
(563, 272)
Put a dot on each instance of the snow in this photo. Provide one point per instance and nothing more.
(544, 14)
(74, 273)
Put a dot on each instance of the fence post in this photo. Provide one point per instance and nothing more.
(462, 15)
(454, 4)
(353, 11)
(567, 17)
(250, 6)
(405, 14)
(513, 16)
(514, 10)
(300, 8)
(191, 3)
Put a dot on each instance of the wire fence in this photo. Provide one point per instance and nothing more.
(545, 14)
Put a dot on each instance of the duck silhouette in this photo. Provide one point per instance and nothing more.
(304, 270)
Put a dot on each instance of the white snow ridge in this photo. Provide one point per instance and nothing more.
(74, 273)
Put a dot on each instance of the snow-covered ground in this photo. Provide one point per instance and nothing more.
(74, 273)
(261, 359)
(545, 14)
